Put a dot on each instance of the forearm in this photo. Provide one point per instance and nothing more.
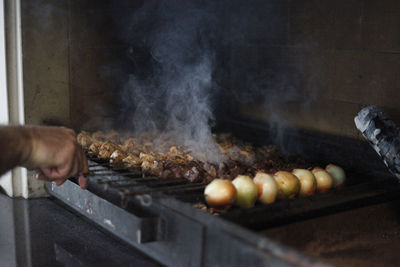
(15, 147)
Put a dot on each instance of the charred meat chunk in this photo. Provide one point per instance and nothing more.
(106, 149)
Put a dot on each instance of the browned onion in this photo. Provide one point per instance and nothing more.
(324, 179)
(308, 183)
(246, 191)
(288, 184)
(220, 193)
(266, 186)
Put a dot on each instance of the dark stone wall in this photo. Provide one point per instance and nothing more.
(312, 64)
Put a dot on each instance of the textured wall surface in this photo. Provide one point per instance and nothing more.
(45, 61)
(311, 63)
(63, 53)
(347, 56)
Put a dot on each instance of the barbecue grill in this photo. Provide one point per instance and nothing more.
(107, 64)
(159, 216)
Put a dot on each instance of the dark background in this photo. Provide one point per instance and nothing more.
(310, 64)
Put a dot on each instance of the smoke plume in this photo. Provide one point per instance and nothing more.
(172, 94)
(187, 56)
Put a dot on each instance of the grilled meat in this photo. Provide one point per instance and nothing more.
(132, 161)
(117, 156)
(129, 146)
(178, 162)
(95, 147)
(84, 139)
(106, 149)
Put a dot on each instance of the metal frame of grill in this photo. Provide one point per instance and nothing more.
(157, 221)
(157, 216)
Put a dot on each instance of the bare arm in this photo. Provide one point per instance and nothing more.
(52, 151)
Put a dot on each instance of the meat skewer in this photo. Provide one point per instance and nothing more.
(178, 162)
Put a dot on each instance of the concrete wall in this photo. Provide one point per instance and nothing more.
(328, 60)
(45, 61)
(63, 52)
(347, 55)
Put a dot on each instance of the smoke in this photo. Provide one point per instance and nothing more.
(173, 93)
(186, 56)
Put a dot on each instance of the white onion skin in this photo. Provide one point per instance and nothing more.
(220, 193)
(288, 184)
(266, 187)
(324, 179)
(308, 183)
(246, 191)
(337, 173)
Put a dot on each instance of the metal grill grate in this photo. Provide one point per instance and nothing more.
(140, 209)
(131, 182)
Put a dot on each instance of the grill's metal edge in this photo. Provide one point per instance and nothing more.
(105, 214)
(221, 241)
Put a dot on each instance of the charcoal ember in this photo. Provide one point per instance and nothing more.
(382, 134)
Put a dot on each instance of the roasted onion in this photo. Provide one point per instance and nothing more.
(308, 183)
(324, 179)
(246, 191)
(266, 186)
(288, 184)
(337, 173)
(220, 193)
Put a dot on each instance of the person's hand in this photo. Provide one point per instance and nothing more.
(56, 155)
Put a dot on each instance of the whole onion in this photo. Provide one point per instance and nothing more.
(267, 187)
(308, 183)
(288, 184)
(324, 179)
(220, 193)
(246, 191)
(337, 173)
